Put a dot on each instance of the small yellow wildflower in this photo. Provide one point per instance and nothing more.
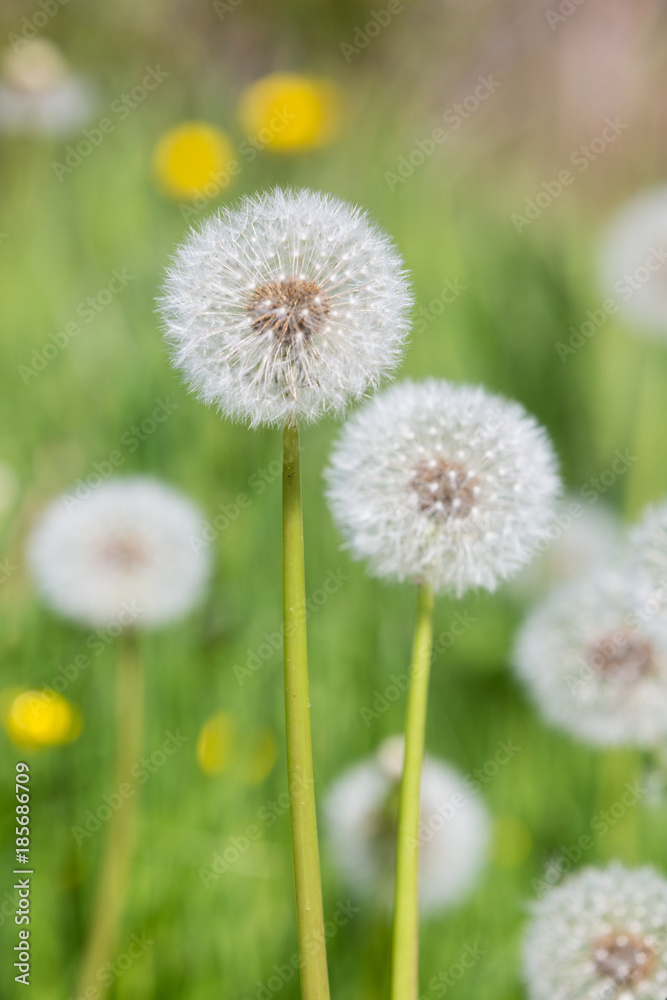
(290, 113)
(261, 757)
(193, 157)
(38, 719)
(216, 743)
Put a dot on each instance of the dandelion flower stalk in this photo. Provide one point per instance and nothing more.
(112, 884)
(405, 946)
(309, 908)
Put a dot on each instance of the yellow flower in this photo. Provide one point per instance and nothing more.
(192, 159)
(215, 744)
(289, 113)
(38, 719)
(261, 757)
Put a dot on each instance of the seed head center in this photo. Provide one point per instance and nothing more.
(624, 958)
(444, 488)
(124, 552)
(292, 311)
(624, 657)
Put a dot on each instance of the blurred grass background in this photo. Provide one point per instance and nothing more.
(451, 219)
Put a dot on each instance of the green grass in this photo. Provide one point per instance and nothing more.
(64, 240)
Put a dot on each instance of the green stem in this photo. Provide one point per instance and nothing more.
(405, 946)
(309, 910)
(112, 884)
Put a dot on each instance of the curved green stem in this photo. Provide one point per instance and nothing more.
(112, 884)
(309, 909)
(405, 946)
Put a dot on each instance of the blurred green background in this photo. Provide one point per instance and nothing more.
(519, 295)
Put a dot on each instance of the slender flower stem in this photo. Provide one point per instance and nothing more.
(309, 910)
(405, 946)
(112, 884)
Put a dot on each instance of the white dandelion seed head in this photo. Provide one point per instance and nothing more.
(648, 546)
(123, 554)
(287, 306)
(600, 935)
(585, 538)
(361, 817)
(39, 94)
(444, 483)
(593, 657)
(633, 261)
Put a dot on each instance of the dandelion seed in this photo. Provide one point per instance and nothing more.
(442, 483)
(361, 819)
(124, 549)
(286, 307)
(594, 659)
(600, 935)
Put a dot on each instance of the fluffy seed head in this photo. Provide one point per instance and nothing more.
(286, 307)
(39, 94)
(361, 812)
(633, 261)
(124, 554)
(601, 935)
(648, 546)
(593, 656)
(445, 483)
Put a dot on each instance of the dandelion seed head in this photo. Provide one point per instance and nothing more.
(444, 483)
(600, 935)
(125, 550)
(648, 546)
(361, 813)
(593, 656)
(286, 307)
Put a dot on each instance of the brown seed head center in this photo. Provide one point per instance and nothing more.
(444, 489)
(124, 553)
(624, 958)
(622, 656)
(292, 311)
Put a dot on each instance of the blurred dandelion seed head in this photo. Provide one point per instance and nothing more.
(286, 307)
(593, 656)
(445, 483)
(122, 555)
(38, 92)
(361, 815)
(601, 933)
(648, 545)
